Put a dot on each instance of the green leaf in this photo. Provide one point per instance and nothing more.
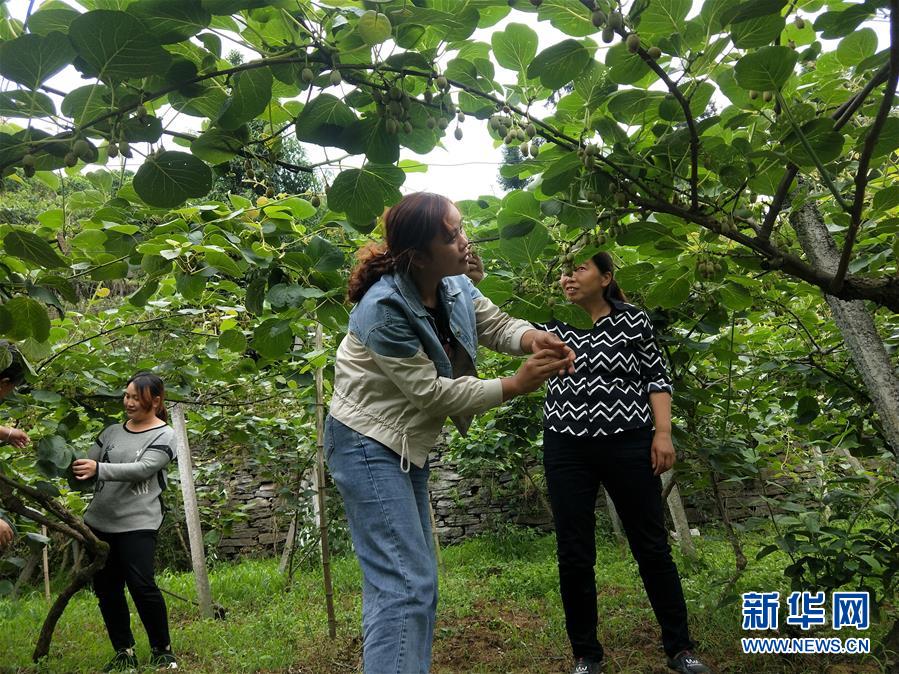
(169, 179)
(86, 103)
(233, 340)
(766, 69)
(519, 213)
(664, 18)
(217, 146)
(373, 27)
(857, 46)
(250, 96)
(364, 193)
(52, 16)
(735, 297)
(839, 23)
(514, 47)
(886, 198)
(324, 120)
(559, 64)
(559, 176)
(370, 136)
(671, 290)
(825, 141)
(28, 246)
(225, 264)
(751, 9)
(29, 319)
(54, 449)
(757, 32)
(635, 106)
(273, 338)
(284, 296)
(569, 16)
(144, 293)
(807, 410)
(325, 256)
(31, 59)
(117, 45)
(525, 249)
(26, 104)
(624, 67)
(171, 20)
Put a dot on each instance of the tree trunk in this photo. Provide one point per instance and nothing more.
(856, 324)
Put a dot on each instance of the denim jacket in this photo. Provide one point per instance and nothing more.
(393, 380)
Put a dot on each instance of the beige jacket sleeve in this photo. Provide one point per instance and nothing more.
(497, 330)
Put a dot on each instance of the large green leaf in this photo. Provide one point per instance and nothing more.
(29, 319)
(757, 32)
(569, 16)
(625, 67)
(31, 59)
(171, 20)
(324, 120)
(54, 450)
(52, 16)
(514, 47)
(217, 145)
(526, 249)
(826, 143)
(519, 213)
(117, 45)
(559, 64)
(364, 193)
(169, 179)
(857, 46)
(766, 69)
(671, 290)
(370, 136)
(373, 27)
(273, 338)
(29, 246)
(842, 22)
(325, 256)
(26, 104)
(633, 106)
(664, 17)
(250, 95)
(86, 103)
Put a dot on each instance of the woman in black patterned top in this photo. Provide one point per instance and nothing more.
(610, 423)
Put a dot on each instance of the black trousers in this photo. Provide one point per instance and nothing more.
(575, 468)
(130, 563)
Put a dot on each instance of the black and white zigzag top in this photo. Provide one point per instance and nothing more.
(618, 365)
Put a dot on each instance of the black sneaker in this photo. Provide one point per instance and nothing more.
(124, 660)
(687, 663)
(587, 666)
(163, 659)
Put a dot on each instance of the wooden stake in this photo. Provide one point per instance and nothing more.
(192, 513)
(434, 534)
(678, 515)
(320, 487)
(613, 515)
(46, 566)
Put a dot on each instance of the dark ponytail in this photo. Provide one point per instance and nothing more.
(409, 226)
(603, 262)
(150, 386)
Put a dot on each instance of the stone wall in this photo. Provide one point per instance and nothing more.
(263, 532)
(467, 506)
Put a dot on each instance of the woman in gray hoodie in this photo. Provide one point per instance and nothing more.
(127, 463)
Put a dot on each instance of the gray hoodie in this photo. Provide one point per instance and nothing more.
(130, 478)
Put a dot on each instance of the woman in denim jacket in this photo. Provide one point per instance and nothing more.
(406, 363)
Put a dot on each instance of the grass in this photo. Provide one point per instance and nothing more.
(499, 612)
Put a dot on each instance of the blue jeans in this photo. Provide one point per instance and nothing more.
(389, 517)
